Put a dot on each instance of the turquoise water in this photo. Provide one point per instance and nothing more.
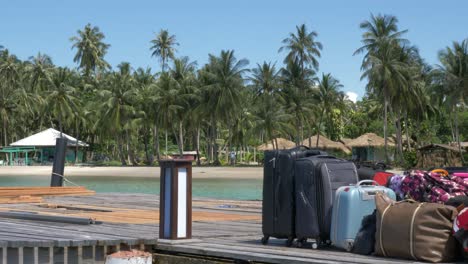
(238, 189)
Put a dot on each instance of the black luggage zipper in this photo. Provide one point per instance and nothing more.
(275, 196)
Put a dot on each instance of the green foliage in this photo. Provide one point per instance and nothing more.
(410, 159)
(261, 157)
(463, 126)
(127, 114)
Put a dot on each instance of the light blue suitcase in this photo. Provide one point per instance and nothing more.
(351, 204)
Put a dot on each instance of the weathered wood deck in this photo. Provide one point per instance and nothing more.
(223, 229)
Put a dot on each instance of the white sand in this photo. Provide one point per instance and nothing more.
(197, 172)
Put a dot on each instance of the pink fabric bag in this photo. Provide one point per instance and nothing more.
(461, 174)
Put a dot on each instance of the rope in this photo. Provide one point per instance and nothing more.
(65, 179)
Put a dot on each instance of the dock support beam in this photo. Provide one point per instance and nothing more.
(59, 163)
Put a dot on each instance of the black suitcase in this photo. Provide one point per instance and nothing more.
(317, 179)
(366, 173)
(278, 205)
(456, 169)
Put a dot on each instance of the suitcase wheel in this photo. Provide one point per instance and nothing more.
(289, 242)
(301, 242)
(314, 245)
(265, 240)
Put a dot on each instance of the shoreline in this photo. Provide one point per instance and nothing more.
(145, 172)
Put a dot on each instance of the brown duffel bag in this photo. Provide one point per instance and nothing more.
(412, 230)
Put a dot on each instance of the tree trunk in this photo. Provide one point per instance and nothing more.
(210, 142)
(302, 132)
(298, 131)
(399, 136)
(149, 159)
(179, 145)
(387, 159)
(121, 152)
(131, 151)
(452, 129)
(91, 156)
(276, 143)
(181, 138)
(215, 145)
(457, 134)
(127, 139)
(166, 144)
(408, 141)
(156, 142)
(60, 125)
(318, 127)
(198, 146)
(5, 132)
(76, 143)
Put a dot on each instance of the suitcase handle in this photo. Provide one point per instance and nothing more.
(367, 181)
(326, 157)
(313, 152)
(300, 147)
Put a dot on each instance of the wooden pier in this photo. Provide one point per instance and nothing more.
(224, 231)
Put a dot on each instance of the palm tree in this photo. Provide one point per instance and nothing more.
(61, 99)
(381, 66)
(303, 47)
(10, 83)
(147, 101)
(265, 78)
(408, 94)
(297, 93)
(40, 71)
(163, 47)
(221, 93)
(90, 50)
(454, 73)
(119, 115)
(183, 72)
(171, 103)
(328, 95)
(271, 118)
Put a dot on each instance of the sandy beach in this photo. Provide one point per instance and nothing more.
(150, 172)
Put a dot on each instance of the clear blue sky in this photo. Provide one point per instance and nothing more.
(254, 29)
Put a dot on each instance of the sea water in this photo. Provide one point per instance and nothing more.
(237, 189)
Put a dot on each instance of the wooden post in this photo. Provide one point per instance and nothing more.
(59, 162)
(175, 199)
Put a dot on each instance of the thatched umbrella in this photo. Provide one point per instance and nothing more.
(325, 143)
(369, 140)
(282, 144)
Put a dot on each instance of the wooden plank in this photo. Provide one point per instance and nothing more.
(258, 257)
(306, 253)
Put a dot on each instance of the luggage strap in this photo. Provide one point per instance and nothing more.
(412, 231)
(380, 234)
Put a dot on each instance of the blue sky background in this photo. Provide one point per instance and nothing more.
(254, 29)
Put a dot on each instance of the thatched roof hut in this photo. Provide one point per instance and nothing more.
(464, 145)
(326, 144)
(345, 141)
(369, 140)
(438, 155)
(282, 144)
(369, 147)
(393, 139)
